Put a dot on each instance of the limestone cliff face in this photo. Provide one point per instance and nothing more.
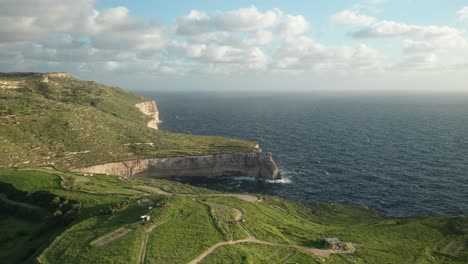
(253, 164)
(11, 84)
(45, 76)
(58, 74)
(150, 109)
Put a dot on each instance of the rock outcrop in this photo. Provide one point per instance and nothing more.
(11, 84)
(150, 109)
(252, 164)
(45, 76)
(58, 74)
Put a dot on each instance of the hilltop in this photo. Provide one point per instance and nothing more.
(54, 119)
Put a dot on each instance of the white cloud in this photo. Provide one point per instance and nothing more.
(463, 13)
(243, 37)
(425, 47)
(114, 28)
(350, 17)
(24, 20)
(386, 28)
(198, 23)
(292, 25)
(305, 54)
(419, 62)
(113, 40)
(240, 20)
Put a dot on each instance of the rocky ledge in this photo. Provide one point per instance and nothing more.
(252, 164)
(150, 109)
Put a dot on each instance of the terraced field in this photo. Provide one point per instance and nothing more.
(193, 225)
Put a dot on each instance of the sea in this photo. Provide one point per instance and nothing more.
(400, 154)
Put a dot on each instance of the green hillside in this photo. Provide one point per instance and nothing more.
(51, 216)
(69, 123)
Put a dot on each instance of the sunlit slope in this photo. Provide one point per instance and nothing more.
(84, 219)
(71, 123)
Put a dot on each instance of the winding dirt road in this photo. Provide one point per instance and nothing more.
(313, 251)
(245, 197)
(251, 238)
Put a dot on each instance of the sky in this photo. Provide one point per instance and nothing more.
(248, 46)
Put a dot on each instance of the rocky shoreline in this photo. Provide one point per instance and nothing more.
(251, 164)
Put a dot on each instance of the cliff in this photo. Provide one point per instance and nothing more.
(150, 109)
(252, 164)
(45, 76)
(54, 119)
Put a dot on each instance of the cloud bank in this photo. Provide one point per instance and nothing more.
(75, 36)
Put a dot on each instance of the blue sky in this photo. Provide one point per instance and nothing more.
(377, 45)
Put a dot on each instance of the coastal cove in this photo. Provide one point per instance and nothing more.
(393, 153)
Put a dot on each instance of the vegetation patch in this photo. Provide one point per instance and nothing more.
(69, 123)
(185, 221)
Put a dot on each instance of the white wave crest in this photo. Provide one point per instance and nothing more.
(282, 180)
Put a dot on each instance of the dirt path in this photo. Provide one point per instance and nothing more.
(106, 239)
(314, 251)
(238, 217)
(144, 242)
(245, 197)
(287, 257)
(252, 239)
(5, 199)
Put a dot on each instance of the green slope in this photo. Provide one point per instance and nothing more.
(69, 123)
(186, 221)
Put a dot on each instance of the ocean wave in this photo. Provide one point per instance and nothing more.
(283, 181)
(244, 178)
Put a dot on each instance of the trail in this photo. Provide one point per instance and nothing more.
(239, 217)
(245, 197)
(106, 239)
(144, 242)
(251, 238)
(5, 199)
(314, 251)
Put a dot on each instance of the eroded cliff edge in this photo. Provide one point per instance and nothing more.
(252, 164)
(150, 109)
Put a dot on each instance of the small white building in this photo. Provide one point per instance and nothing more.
(145, 218)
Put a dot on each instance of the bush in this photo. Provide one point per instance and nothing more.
(95, 101)
(44, 89)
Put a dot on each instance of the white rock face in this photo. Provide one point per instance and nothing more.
(150, 109)
(58, 74)
(252, 164)
(11, 84)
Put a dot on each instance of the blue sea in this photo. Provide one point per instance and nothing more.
(403, 155)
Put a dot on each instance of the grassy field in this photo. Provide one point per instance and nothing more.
(70, 123)
(187, 221)
(254, 253)
(190, 221)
